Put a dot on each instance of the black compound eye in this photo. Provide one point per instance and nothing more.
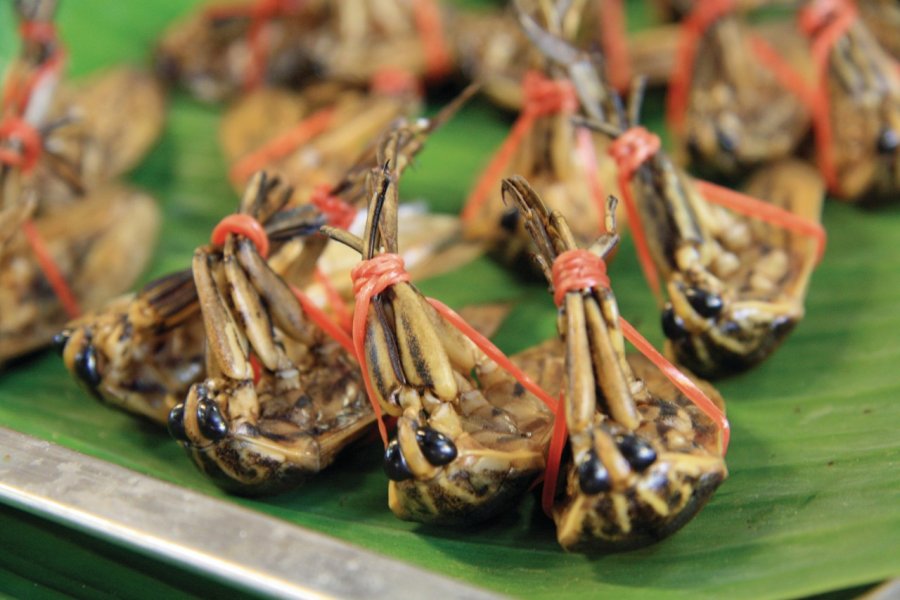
(394, 464)
(888, 141)
(86, 366)
(593, 477)
(672, 324)
(175, 423)
(210, 420)
(437, 447)
(727, 143)
(510, 219)
(705, 303)
(637, 452)
(60, 340)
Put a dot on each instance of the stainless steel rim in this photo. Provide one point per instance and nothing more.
(223, 540)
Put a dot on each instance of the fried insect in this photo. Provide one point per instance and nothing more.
(644, 458)
(559, 157)
(100, 245)
(469, 438)
(140, 353)
(729, 110)
(858, 124)
(312, 138)
(219, 50)
(735, 284)
(263, 433)
(358, 38)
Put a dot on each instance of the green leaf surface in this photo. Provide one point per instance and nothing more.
(813, 499)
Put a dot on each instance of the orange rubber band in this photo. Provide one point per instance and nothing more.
(824, 22)
(243, 225)
(337, 212)
(259, 13)
(315, 313)
(427, 16)
(41, 32)
(31, 145)
(703, 15)
(370, 278)
(543, 97)
(392, 81)
(578, 270)
(51, 270)
(630, 151)
(282, 145)
(615, 44)
(764, 211)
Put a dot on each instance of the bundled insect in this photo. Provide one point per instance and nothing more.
(219, 51)
(469, 437)
(857, 113)
(735, 283)
(729, 109)
(545, 145)
(644, 457)
(313, 137)
(69, 239)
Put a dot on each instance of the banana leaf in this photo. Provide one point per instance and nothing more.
(813, 500)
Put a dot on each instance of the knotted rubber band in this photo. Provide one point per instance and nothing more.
(578, 270)
(259, 14)
(14, 128)
(427, 17)
(630, 151)
(703, 15)
(615, 44)
(543, 97)
(243, 225)
(339, 213)
(370, 278)
(250, 228)
(392, 81)
(281, 145)
(637, 145)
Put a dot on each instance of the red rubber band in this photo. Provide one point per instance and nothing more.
(243, 225)
(259, 13)
(318, 316)
(577, 270)
(51, 270)
(282, 145)
(630, 151)
(543, 97)
(13, 128)
(373, 276)
(554, 459)
(615, 44)
(41, 32)
(339, 213)
(703, 15)
(392, 81)
(427, 16)
(764, 211)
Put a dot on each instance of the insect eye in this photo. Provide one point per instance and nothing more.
(510, 219)
(394, 465)
(888, 140)
(593, 477)
(705, 303)
(672, 324)
(637, 452)
(437, 447)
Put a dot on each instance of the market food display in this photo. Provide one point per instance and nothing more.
(262, 396)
